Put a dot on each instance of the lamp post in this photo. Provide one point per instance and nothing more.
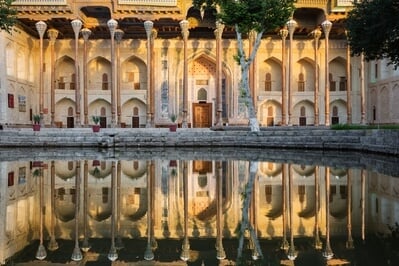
(326, 25)
(283, 34)
(118, 37)
(291, 25)
(77, 25)
(316, 36)
(85, 34)
(112, 24)
(41, 28)
(52, 35)
(148, 25)
(184, 31)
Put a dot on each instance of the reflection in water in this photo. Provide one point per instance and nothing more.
(211, 212)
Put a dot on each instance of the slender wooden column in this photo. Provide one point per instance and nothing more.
(118, 37)
(316, 35)
(291, 25)
(283, 34)
(85, 34)
(148, 25)
(154, 34)
(41, 28)
(185, 33)
(52, 35)
(218, 83)
(77, 25)
(362, 91)
(348, 84)
(326, 25)
(112, 24)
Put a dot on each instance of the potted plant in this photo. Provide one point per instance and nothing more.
(173, 126)
(36, 123)
(96, 126)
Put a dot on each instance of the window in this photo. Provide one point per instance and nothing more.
(61, 84)
(10, 100)
(10, 179)
(342, 83)
(105, 82)
(268, 82)
(332, 83)
(202, 95)
(301, 83)
(72, 84)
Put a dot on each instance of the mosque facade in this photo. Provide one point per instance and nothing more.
(134, 64)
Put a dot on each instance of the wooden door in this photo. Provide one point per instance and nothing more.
(135, 122)
(103, 122)
(70, 122)
(202, 114)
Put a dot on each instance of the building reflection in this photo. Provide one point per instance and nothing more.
(188, 210)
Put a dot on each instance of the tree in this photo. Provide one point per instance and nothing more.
(373, 29)
(7, 15)
(246, 16)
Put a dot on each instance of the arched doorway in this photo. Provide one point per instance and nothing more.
(203, 93)
(202, 111)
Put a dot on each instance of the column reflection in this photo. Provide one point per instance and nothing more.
(130, 200)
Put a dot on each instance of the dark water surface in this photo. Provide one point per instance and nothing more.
(198, 207)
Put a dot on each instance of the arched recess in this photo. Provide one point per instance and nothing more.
(64, 73)
(303, 113)
(99, 74)
(133, 74)
(270, 169)
(269, 113)
(65, 169)
(337, 74)
(21, 65)
(134, 169)
(65, 203)
(99, 202)
(271, 67)
(134, 113)
(137, 207)
(384, 103)
(373, 105)
(338, 111)
(61, 110)
(102, 108)
(10, 59)
(306, 70)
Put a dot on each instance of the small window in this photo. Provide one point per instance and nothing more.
(268, 82)
(301, 83)
(332, 83)
(342, 83)
(202, 95)
(105, 82)
(72, 84)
